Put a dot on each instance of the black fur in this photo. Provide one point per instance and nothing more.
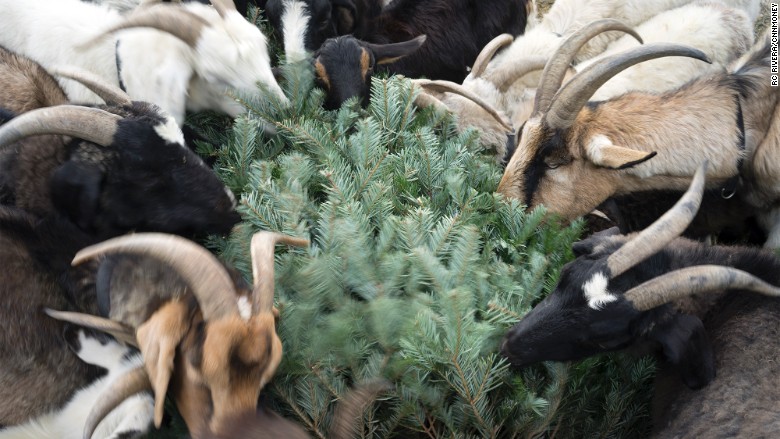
(456, 31)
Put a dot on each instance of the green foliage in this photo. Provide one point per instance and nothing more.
(416, 270)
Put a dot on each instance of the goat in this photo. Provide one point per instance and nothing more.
(452, 30)
(572, 158)
(192, 59)
(130, 420)
(654, 288)
(131, 171)
(515, 64)
(197, 324)
(306, 24)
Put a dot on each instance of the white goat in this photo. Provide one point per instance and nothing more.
(131, 419)
(565, 17)
(195, 56)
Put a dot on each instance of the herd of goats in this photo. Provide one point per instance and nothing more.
(594, 102)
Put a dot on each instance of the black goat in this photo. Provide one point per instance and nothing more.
(650, 288)
(456, 30)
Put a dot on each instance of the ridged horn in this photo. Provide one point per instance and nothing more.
(555, 70)
(207, 278)
(173, 20)
(570, 99)
(695, 280)
(451, 87)
(223, 6)
(91, 124)
(510, 73)
(666, 228)
(129, 384)
(262, 251)
(109, 93)
(121, 332)
(488, 52)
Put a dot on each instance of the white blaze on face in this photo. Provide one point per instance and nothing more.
(295, 20)
(170, 131)
(596, 291)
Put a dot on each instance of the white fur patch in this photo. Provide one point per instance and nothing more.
(170, 131)
(295, 21)
(596, 291)
(244, 307)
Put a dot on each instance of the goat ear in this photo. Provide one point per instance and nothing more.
(602, 152)
(75, 190)
(588, 245)
(346, 16)
(387, 53)
(686, 345)
(158, 339)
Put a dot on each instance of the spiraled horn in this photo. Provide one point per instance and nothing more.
(262, 250)
(671, 224)
(488, 52)
(109, 93)
(223, 6)
(207, 278)
(451, 87)
(121, 332)
(555, 70)
(129, 384)
(570, 99)
(695, 280)
(173, 20)
(86, 123)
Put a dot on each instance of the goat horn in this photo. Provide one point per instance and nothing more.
(570, 99)
(173, 20)
(207, 278)
(555, 70)
(121, 332)
(504, 77)
(129, 384)
(666, 228)
(425, 99)
(451, 87)
(695, 280)
(488, 52)
(109, 93)
(262, 250)
(91, 124)
(223, 6)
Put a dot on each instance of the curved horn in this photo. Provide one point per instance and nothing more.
(666, 228)
(207, 278)
(121, 332)
(424, 100)
(451, 87)
(174, 20)
(570, 99)
(131, 383)
(91, 124)
(510, 73)
(488, 52)
(695, 280)
(262, 250)
(223, 6)
(555, 70)
(109, 93)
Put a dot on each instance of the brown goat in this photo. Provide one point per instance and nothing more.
(26, 85)
(202, 329)
(573, 154)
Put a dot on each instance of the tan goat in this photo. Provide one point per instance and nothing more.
(574, 154)
(198, 327)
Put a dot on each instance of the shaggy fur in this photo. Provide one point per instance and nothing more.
(26, 85)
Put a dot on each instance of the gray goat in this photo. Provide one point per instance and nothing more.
(683, 298)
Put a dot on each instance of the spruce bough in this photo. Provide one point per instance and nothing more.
(416, 271)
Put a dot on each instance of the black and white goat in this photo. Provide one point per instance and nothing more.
(437, 39)
(132, 419)
(194, 58)
(691, 302)
(573, 154)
